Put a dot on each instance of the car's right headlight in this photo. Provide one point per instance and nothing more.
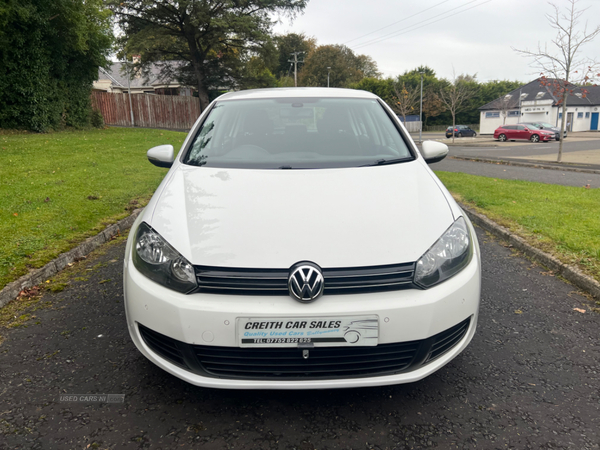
(156, 259)
(449, 255)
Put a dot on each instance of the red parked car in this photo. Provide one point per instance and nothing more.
(526, 132)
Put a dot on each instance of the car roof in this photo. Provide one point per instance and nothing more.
(302, 92)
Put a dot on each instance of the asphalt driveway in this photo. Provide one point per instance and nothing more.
(529, 380)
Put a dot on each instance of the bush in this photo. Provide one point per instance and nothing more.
(96, 119)
(50, 52)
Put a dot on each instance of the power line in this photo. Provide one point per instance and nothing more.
(415, 27)
(395, 33)
(395, 23)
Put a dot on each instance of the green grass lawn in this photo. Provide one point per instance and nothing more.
(561, 220)
(57, 189)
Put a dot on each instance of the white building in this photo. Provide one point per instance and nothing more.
(535, 102)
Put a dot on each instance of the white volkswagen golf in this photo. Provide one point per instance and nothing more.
(301, 241)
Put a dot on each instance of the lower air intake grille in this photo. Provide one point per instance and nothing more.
(165, 346)
(289, 364)
(445, 340)
(277, 363)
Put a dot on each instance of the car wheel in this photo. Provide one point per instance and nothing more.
(459, 134)
(535, 138)
(502, 138)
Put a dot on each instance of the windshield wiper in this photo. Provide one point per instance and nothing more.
(383, 162)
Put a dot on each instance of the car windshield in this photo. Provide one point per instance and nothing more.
(545, 125)
(531, 126)
(297, 133)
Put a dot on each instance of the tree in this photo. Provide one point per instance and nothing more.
(346, 67)
(432, 105)
(288, 44)
(256, 75)
(504, 107)
(455, 94)
(50, 52)
(383, 88)
(212, 39)
(406, 100)
(563, 67)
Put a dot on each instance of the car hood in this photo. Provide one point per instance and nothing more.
(347, 217)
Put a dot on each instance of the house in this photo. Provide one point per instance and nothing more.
(535, 102)
(114, 79)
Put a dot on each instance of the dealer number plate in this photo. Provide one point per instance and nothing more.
(335, 331)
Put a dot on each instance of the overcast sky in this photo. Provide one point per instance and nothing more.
(474, 36)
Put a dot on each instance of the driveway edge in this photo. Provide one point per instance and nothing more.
(37, 276)
(570, 273)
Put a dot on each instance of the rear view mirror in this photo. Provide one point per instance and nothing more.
(161, 156)
(434, 151)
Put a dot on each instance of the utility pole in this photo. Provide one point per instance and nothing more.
(129, 90)
(421, 112)
(295, 62)
(328, 70)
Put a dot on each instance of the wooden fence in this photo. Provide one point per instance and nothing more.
(149, 111)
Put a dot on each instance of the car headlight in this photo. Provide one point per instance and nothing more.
(449, 255)
(156, 259)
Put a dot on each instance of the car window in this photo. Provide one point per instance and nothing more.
(520, 127)
(508, 127)
(532, 127)
(297, 133)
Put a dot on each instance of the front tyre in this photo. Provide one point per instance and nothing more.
(535, 138)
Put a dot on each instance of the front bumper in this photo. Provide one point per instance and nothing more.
(209, 321)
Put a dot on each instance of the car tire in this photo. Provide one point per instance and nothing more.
(534, 138)
(502, 138)
(459, 134)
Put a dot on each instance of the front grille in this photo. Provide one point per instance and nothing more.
(289, 364)
(355, 280)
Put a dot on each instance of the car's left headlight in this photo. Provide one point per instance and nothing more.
(449, 255)
(156, 259)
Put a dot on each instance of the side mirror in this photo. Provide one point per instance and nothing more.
(526, 129)
(434, 151)
(161, 156)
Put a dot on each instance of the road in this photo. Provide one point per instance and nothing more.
(510, 172)
(529, 380)
(584, 147)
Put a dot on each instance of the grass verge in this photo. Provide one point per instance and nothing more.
(57, 189)
(561, 220)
